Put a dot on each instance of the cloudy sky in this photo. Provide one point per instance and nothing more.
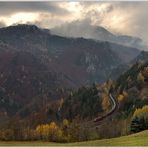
(129, 18)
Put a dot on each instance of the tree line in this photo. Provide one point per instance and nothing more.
(65, 132)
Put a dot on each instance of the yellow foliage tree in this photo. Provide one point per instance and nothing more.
(141, 112)
(105, 102)
(52, 131)
(46, 131)
(109, 84)
(140, 77)
(125, 94)
(42, 131)
(52, 125)
(65, 127)
(120, 97)
(146, 69)
(38, 131)
(65, 123)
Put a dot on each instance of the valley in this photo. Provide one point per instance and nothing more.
(52, 86)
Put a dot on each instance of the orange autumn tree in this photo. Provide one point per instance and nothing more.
(42, 131)
(146, 69)
(52, 131)
(140, 77)
(105, 102)
(120, 97)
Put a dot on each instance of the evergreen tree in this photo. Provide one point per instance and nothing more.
(138, 124)
(135, 125)
(142, 124)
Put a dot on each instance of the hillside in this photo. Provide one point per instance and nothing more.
(83, 61)
(131, 88)
(24, 78)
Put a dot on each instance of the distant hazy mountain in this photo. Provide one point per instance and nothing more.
(98, 33)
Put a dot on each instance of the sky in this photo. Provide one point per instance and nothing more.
(128, 18)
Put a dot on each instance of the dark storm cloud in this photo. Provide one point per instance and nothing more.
(8, 8)
(119, 17)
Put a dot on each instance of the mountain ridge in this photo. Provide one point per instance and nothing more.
(98, 33)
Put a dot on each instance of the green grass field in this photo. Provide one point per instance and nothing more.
(139, 139)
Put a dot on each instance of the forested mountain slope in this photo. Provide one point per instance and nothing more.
(83, 61)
